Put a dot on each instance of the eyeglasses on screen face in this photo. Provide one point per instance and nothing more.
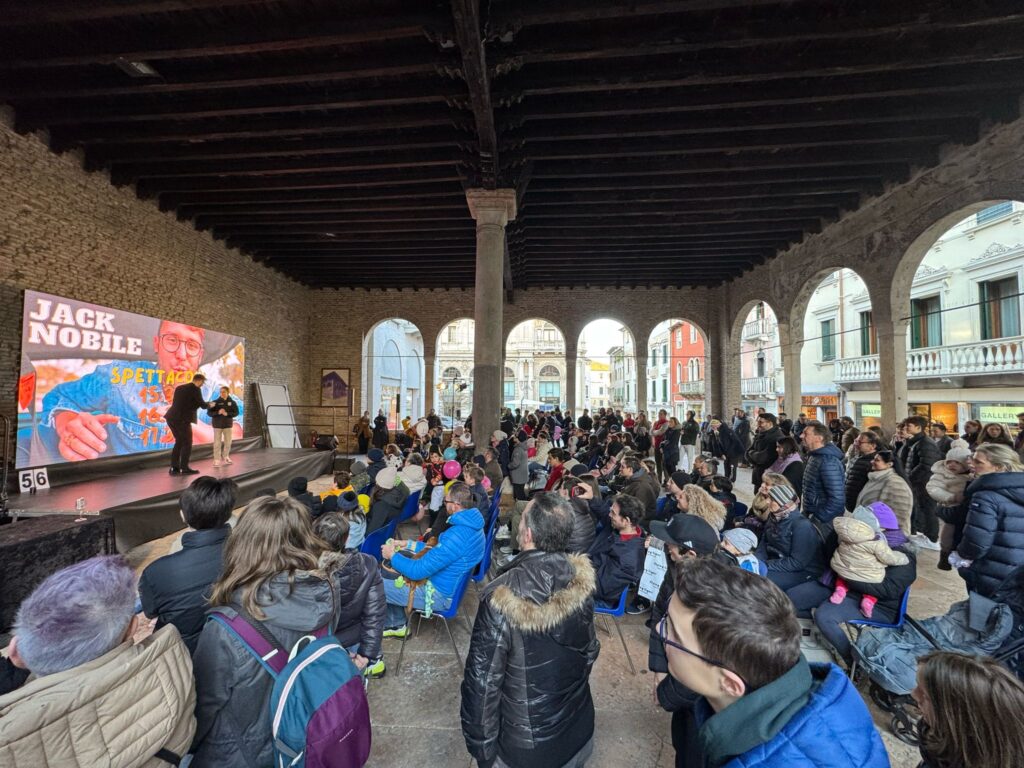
(171, 343)
(663, 629)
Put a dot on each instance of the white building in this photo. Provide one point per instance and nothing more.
(965, 351)
(453, 368)
(393, 376)
(535, 366)
(598, 392)
(658, 365)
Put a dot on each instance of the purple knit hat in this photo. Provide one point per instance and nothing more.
(885, 516)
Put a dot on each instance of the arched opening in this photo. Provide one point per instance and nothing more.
(761, 382)
(453, 362)
(964, 307)
(839, 358)
(606, 367)
(535, 351)
(676, 363)
(392, 371)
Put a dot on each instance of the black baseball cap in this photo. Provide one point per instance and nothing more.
(687, 531)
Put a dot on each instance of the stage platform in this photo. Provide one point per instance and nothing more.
(143, 499)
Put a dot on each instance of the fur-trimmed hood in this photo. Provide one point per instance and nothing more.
(540, 590)
(331, 561)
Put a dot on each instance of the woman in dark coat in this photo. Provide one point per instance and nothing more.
(670, 446)
(381, 436)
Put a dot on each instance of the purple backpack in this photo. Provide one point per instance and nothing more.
(319, 717)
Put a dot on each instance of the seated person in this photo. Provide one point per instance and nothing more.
(474, 477)
(741, 543)
(96, 697)
(412, 474)
(175, 588)
(493, 469)
(459, 550)
(376, 458)
(342, 483)
(298, 489)
(733, 639)
(360, 592)
(354, 508)
(790, 546)
(862, 555)
(640, 484)
(387, 500)
(829, 617)
(360, 477)
(618, 551)
(583, 529)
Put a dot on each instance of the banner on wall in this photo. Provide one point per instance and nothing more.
(96, 381)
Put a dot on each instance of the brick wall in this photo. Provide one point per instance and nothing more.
(71, 233)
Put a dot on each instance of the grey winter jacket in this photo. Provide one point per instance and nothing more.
(582, 527)
(519, 465)
(233, 688)
(526, 690)
(361, 603)
(387, 508)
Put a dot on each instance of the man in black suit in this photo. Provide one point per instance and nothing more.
(180, 417)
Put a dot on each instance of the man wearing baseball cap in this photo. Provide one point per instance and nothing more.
(686, 537)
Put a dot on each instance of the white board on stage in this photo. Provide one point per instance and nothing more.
(278, 416)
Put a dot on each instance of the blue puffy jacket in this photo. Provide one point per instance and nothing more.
(832, 730)
(824, 492)
(994, 532)
(459, 549)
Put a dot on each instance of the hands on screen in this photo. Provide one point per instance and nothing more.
(83, 435)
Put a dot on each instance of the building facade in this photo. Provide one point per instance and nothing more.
(965, 349)
(658, 396)
(535, 357)
(393, 375)
(761, 382)
(686, 369)
(453, 368)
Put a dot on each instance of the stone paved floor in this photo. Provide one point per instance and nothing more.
(415, 710)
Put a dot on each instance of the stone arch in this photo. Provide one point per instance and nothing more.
(528, 354)
(392, 376)
(621, 388)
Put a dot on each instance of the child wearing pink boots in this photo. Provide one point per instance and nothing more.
(864, 551)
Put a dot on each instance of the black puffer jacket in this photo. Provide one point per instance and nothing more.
(792, 550)
(994, 534)
(361, 604)
(582, 528)
(387, 508)
(762, 453)
(918, 455)
(526, 691)
(856, 478)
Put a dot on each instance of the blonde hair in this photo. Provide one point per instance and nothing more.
(701, 504)
(272, 536)
(1001, 456)
(760, 505)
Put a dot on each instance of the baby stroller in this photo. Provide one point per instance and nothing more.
(976, 626)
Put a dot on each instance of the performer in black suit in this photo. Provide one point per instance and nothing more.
(180, 417)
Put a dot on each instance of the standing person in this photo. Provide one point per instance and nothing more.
(223, 412)
(732, 638)
(972, 432)
(381, 436)
(670, 448)
(764, 450)
(187, 399)
(741, 426)
(271, 573)
(824, 493)
(850, 433)
(1018, 441)
(942, 440)
(918, 454)
(788, 463)
(951, 684)
(993, 541)
(519, 470)
(526, 699)
(658, 430)
(688, 439)
(363, 432)
(175, 588)
(724, 444)
(585, 422)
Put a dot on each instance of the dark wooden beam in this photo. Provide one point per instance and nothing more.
(405, 194)
(362, 180)
(466, 16)
(68, 11)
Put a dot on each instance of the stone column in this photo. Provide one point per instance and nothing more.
(791, 342)
(641, 380)
(570, 384)
(492, 209)
(429, 381)
(892, 370)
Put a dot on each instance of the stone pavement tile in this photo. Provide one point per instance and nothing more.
(416, 746)
(631, 736)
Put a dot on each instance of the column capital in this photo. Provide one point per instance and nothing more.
(492, 206)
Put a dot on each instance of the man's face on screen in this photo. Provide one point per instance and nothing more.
(178, 347)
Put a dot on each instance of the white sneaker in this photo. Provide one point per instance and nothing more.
(925, 543)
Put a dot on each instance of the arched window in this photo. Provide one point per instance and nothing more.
(550, 370)
(451, 373)
(693, 369)
(679, 370)
(509, 373)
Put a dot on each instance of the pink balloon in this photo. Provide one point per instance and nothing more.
(451, 469)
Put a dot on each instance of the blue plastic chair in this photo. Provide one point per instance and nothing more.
(451, 612)
(617, 612)
(660, 504)
(480, 572)
(371, 544)
(412, 506)
(366, 490)
(859, 625)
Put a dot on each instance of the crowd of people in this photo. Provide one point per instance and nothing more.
(838, 518)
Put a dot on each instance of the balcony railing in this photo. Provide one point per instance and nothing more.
(759, 385)
(691, 387)
(761, 328)
(978, 357)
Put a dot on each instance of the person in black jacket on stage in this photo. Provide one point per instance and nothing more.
(526, 690)
(188, 398)
(222, 416)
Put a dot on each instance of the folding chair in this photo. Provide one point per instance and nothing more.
(617, 612)
(480, 572)
(451, 612)
(371, 544)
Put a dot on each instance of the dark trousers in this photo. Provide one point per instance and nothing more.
(829, 618)
(519, 491)
(924, 518)
(182, 450)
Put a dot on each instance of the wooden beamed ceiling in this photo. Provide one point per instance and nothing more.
(650, 143)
